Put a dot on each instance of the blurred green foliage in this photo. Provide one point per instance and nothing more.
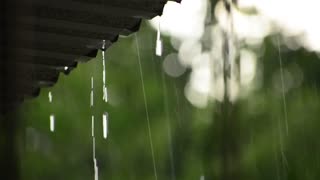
(188, 142)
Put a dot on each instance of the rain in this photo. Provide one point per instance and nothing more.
(51, 117)
(105, 91)
(105, 118)
(146, 107)
(159, 45)
(205, 90)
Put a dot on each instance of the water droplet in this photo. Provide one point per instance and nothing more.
(92, 126)
(105, 92)
(96, 170)
(52, 122)
(93, 148)
(91, 93)
(95, 166)
(105, 118)
(51, 117)
(50, 96)
(91, 83)
(159, 45)
(103, 45)
(91, 99)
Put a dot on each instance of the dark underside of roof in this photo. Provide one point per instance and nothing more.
(39, 38)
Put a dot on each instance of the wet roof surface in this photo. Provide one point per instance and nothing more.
(44, 38)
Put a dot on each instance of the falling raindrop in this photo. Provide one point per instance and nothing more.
(92, 126)
(91, 93)
(284, 161)
(95, 165)
(50, 96)
(283, 87)
(159, 45)
(105, 118)
(146, 108)
(94, 149)
(52, 119)
(105, 92)
(96, 170)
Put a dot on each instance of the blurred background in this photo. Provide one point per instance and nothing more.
(234, 96)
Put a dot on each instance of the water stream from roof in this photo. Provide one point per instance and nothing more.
(105, 115)
(159, 45)
(92, 126)
(146, 107)
(168, 120)
(284, 161)
(168, 123)
(105, 118)
(95, 163)
(91, 93)
(51, 117)
(105, 90)
(282, 87)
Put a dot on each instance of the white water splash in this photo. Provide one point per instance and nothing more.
(105, 118)
(159, 45)
(52, 122)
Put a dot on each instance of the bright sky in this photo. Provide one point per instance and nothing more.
(296, 20)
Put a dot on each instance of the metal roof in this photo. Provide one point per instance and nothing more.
(41, 37)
